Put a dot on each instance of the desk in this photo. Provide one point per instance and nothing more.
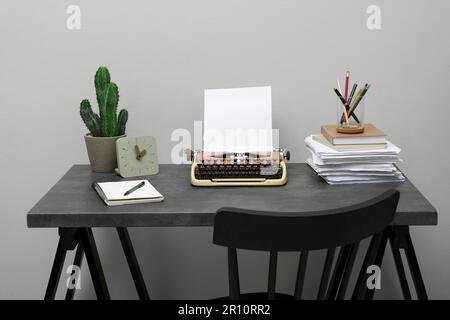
(74, 207)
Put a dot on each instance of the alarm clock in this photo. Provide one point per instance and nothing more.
(136, 156)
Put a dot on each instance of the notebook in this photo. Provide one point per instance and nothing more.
(112, 193)
(348, 147)
(371, 135)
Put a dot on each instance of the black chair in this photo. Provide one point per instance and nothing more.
(304, 232)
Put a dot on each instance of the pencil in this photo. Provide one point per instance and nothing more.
(347, 78)
(339, 86)
(345, 115)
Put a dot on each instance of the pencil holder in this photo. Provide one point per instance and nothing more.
(351, 121)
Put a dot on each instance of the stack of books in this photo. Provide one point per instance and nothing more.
(366, 157)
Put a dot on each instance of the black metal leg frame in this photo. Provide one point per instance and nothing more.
(399, 238)
(83, 240)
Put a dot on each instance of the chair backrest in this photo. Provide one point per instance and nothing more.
(302, 231)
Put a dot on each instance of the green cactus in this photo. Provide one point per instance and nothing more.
(111, 99)
(102, 78)
(91, 120)
(106, 123)
(122, 121)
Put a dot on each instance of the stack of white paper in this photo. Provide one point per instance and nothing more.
(356, 166)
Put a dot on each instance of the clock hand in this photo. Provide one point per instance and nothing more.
(143, 153)
(138, 152)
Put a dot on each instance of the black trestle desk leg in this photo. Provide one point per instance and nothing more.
(401, 237)
(395, 247)
(77, 262)
(55, 274)
(133, 263)
(415, 270)
(95, 267)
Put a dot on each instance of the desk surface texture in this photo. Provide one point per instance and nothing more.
(72, 202)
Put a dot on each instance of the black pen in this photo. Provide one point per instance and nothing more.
(351, 95)
(140, 185)
(339, 95)
(345, 106)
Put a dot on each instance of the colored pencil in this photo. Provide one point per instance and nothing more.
(347, 78)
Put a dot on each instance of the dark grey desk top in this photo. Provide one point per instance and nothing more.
(73, 203)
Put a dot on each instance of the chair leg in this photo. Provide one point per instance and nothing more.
(272, 275)
(133, 264)
(368, 295)
(337, 273)
(326, 274)
(77, 262)
(348, 271)
(55, 274)
(372, 255)
(233, 274)
(301, 275)
(95, 267)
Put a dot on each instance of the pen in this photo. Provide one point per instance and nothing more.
(343, 102)
(339, 95)
(358, 98)
(355, 100)
(140, 185)
(349, 101)
(347, 77)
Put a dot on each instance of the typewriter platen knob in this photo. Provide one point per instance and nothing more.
(287, 154)
(189, 154)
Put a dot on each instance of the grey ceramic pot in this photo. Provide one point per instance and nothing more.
(102, 152)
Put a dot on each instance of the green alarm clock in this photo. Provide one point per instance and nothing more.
(136, 156)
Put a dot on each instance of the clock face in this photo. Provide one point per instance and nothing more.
(136, 156)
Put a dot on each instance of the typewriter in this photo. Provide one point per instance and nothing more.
(238, 141)
(239, 169)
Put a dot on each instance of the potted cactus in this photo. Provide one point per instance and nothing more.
(105, 127)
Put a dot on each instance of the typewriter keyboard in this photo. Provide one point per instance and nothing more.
(237, 171)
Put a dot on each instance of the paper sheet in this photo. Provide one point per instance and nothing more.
(351, 160)
(238, 120)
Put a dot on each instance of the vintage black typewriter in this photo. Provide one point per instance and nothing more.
(241, 169)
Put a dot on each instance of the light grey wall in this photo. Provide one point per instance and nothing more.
(163, 54)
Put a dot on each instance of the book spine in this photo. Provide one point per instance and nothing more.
(326, 135)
